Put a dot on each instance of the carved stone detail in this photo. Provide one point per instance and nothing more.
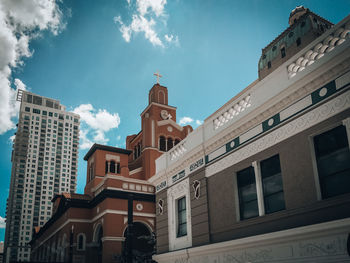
(307, 120)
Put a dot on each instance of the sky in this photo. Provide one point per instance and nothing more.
(98, 59)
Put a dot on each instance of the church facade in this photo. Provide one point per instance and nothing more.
(266, 177)
(93, 227)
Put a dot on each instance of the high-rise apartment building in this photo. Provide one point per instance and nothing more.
(44, 162)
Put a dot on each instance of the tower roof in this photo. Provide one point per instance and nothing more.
(105, 148)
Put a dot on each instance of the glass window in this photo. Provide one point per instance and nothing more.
(248, 200)
(333, 161)
(29, 98)
(283, 52)
(162, 143)
(37, 100)
(181, 217)
(27, 109)
(272, 184)
(298, 41)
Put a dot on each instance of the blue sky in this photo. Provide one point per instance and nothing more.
(98, 58)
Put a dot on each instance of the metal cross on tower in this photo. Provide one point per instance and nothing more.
(158, 76)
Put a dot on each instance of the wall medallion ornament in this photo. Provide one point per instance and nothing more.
(139, 207)
(160, 205)
(164, 114)
(196, 186)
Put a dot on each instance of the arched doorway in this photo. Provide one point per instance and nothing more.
(98, 234)
(142, 243)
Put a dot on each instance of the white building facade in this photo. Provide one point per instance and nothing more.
(44, 163)
(266, 177)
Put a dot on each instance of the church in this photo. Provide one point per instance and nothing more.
(93, 227)
(266, 177)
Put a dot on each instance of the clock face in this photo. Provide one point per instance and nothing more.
(164, 114)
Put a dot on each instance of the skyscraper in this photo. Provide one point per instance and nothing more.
(44, 162)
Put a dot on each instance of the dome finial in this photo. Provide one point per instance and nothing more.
(296, 13)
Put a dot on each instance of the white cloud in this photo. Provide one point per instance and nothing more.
(172, 39)
(12, 138)
(20, 22)
(95, 122)
(85, 142)
(156, 6)
(2, 222)
(185, 120)
(188, 120)
(145, 20)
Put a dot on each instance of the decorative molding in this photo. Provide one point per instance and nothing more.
(326, 45)
(137, 170)
(324, 241)
(111, 157)
(315, 116)
(170, 122)
(197, 189)
(107, 238)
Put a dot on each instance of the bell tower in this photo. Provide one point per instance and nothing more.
(159, 133)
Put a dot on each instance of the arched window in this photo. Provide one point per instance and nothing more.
(106, 167)
(112, 167)
(135, 153)
(162, 145)
(176, 141)
(139, 149)
(91, 172)
(118, 168)
(81, 241)
(161, 97)
(170, 143)
(151, 97)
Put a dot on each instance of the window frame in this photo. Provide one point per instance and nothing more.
(84, 242)
(178, 235)
(345, 122)
(259, 189)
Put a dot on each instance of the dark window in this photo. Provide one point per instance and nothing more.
(135, 153)
(112, 167)
(248, 200)
(118, 168)
(29, 98)
(81, 242)
(272, 184)
(298, 41)
(170, 144)
(333, 161)
(302, 24)
(291, 34)
(274, 48)
(44, 112)
(37, 100)
(176, 141)
(36, 111)
(283, 52)
(27, 109)
(106, 167)
(50, 114)
(162, 145)
(49, 103)
(269, 64)
(181, 217)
